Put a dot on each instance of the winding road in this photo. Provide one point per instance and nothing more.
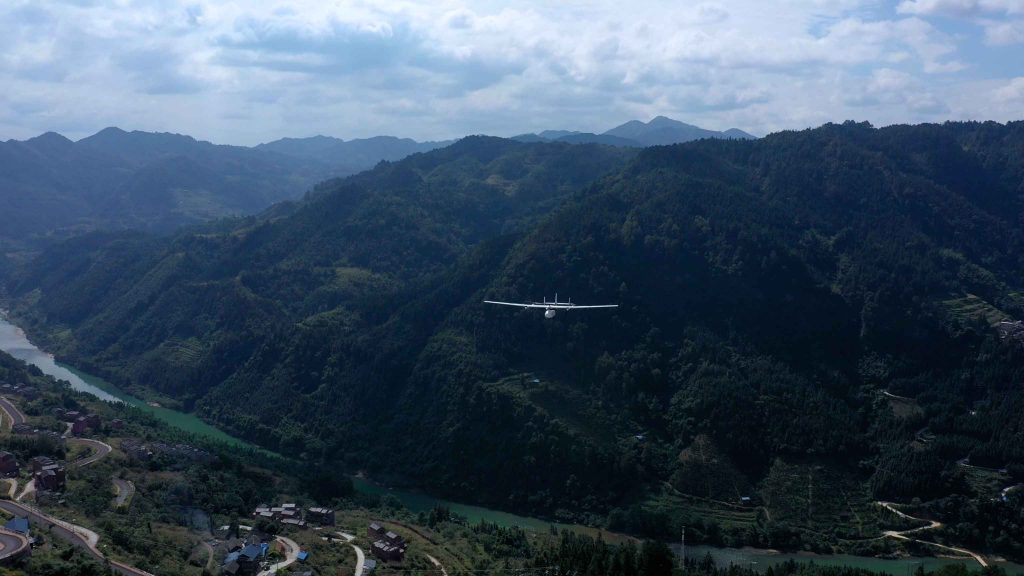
(360, 555)
(99, 451)
(932, 525)
(77, 535)
(290, 557)
(14, 415)
(12, 544)
(125, 490)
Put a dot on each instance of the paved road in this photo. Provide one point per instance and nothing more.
(125, 490)
(81, 537)
(12, 544)
(99, 451)
(290, 557)
(14, 416)
(360, 559)
(932, 525)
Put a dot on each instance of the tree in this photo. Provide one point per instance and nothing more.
(656, 559)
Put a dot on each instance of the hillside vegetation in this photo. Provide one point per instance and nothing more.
(770, 292)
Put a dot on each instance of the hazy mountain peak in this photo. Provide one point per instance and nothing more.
(50, 139)
(663, 130)
(739, 134)
(662, 121)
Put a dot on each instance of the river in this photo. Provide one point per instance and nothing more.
(14, 341)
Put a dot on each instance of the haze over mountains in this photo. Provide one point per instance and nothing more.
(52, 187)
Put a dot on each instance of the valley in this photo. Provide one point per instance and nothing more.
(797, 356)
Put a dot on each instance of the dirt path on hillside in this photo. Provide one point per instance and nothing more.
(932, 525)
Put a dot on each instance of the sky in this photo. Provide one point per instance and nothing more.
(240, 72)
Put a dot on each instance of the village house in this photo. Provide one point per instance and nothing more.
(79, 427)
(244, 561)
(387, 545)
(8, 465)
(48, 475)
(286, 514)
(67, 415)
(83, 424)
(24, 390)
(18, 524)
(321, 516)
(29, 430)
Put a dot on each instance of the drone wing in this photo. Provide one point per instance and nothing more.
(520, 305)
(575, 307)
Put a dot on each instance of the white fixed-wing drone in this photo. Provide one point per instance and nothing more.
(550, 308)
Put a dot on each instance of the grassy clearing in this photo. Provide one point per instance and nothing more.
(971, 308)
(559, 402)
(903, 407)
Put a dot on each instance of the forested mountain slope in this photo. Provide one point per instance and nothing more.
(52, 188)
(771, 292)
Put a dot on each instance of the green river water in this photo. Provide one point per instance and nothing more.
(14, 341)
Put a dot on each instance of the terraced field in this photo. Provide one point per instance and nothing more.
(726, 514)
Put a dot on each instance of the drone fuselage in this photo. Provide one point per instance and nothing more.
(549, 313)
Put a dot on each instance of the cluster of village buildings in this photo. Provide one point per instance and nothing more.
(387, 545)
(291, 515)
(244, 556)
(81, 422)
(49, 475)
(26, 391)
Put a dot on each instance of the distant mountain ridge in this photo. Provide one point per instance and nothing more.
(350, 156)
(660, 131)
(53, 187)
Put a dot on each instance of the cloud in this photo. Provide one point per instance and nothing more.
(959, 8)
(889, 87)
(1011, 93)
(1004, 33)
(247, 71)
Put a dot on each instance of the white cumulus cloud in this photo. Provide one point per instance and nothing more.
(247, 71)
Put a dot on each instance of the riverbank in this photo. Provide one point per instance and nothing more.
(15, 342)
